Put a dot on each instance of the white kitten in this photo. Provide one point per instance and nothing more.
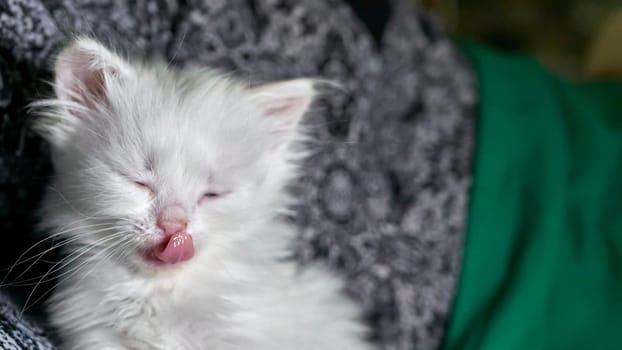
(170, 187)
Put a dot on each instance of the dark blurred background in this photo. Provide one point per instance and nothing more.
(581, 39)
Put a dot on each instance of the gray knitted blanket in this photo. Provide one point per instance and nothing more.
(383, 196)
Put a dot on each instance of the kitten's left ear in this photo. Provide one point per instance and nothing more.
(284, 103)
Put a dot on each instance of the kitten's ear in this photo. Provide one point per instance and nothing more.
(82, 72)
(284, 103)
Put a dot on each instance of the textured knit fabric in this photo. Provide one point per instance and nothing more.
(543, 253)
(382, 199)
(16, 333)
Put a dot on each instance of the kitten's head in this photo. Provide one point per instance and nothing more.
(153, 163)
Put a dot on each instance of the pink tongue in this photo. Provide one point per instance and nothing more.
(178, 248)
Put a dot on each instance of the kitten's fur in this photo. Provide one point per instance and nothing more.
(129, 139)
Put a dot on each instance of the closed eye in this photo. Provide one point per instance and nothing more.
(213, 195)
(145, 186)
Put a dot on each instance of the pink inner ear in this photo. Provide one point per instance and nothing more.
(284, 102)
(77, 80)
(94, 88)
(95, 84)
(284, 106)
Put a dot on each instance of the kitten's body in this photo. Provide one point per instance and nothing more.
(250, 302)
(139, 148)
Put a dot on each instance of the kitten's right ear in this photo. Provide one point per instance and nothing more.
(84, 72)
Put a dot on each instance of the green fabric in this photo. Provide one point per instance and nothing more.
(543, 253)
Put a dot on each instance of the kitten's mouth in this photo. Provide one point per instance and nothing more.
(171, 250)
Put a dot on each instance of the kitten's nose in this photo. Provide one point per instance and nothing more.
(172, 219)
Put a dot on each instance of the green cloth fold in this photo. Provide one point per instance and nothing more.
(543, 253)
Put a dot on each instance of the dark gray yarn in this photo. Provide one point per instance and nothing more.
(17, 333)
(383, 195)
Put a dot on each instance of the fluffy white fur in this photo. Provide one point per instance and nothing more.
(185, 133)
